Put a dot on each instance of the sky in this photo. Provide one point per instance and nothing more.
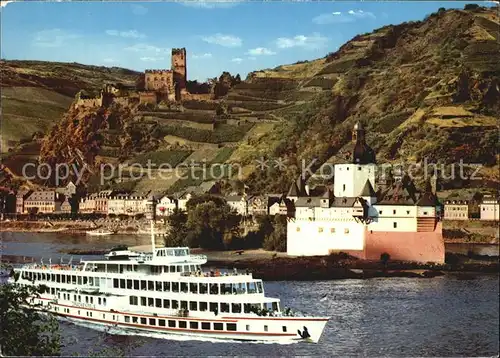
(238, 37)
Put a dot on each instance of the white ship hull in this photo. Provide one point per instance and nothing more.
(114, 323)
(166, 293)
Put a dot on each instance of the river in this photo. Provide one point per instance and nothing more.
(442, 316)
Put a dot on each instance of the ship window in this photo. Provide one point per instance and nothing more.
(135, 320)
(193, 287)
(394, 212)
(175, 286)
(161, 322)
(151, 286)
(78, 312)
(231, 326)
(104, 301)
(129, 284)
(380, 212)
(122, 283)
(136, 284)
(79, 298)
(265, 328)
(203, 288)
(425, 212)
(166, 286)
(58, 278)
(150, 302)
(182, 324)
(205, 325)
(91, 299)
(247, 327)
(218, 326)
(127, 319)
(184, 305)
(213, 306)
(86, 299)
(143, 301)
(394, 225)
(236, 307)
(74, 298)
(143, 320)
(171, 323)
(91, 281)
(184, 287)
(193, 325)
(134, 300)
(251, 287)
(179, 268)
(259, 287)
(225, 288)
(63, 278)
(152, 322)
(193, 306)
(159, 286)
(192, 267)
(175, 304)
(203, 306)
(166, 303)
(158, 302)
(79, 280)
(224, 307)
(284, 328)
(214, 289)
(86, 280)
(186, 268)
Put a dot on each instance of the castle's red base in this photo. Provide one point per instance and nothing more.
(405, 246)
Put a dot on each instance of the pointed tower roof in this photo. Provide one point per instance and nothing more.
(362, 153)
(368, 190)
(294, 190)
(327, 194)
(301, 186)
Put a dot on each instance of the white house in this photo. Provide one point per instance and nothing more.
(238, 203)
(165, 206)
(490, 208)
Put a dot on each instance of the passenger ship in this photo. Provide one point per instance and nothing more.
(166, 291)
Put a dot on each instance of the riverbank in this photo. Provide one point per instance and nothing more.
(273, 266)
(488, 234)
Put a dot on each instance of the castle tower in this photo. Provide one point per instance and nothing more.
(179, 68)
(362, 153)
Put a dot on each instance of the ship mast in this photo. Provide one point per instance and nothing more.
(152, 238)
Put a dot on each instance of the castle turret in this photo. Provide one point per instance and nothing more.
(362, 153)
(179, 68)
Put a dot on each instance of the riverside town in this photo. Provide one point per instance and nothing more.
(326, 183)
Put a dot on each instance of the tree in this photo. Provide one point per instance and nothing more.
(177, 230)
(24, 331)
(209, 222)
(276, 240)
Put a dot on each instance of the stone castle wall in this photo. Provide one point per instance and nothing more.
(88, 102)
(197, 96)
(407, 246)
(159, 80)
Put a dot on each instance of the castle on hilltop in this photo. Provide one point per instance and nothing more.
(171, 83)
(160, 85)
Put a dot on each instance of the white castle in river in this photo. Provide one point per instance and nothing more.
(365, 218)
(166, 291)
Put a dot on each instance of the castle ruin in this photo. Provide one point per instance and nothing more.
(159, 85)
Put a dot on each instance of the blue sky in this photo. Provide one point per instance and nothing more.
(238, 37)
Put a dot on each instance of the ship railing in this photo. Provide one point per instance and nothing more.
(213, 274)
(199, 257)
(53, 267)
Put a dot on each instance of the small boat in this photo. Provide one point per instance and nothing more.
(100, 232)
